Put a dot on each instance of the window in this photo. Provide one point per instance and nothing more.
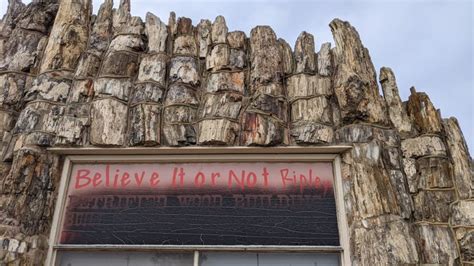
(201, 207)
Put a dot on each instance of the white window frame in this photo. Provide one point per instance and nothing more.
(205, 155)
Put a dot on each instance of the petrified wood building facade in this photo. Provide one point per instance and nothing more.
(70, 78)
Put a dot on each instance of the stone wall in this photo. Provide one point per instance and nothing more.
(73, 79)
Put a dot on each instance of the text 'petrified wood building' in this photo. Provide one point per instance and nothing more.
(69, 78)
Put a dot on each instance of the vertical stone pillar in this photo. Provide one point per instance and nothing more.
(147, 96)
(461, 159)
(309, 95)
(73, 128)
(27, 191)
(264, 122)
(430, 179)
(462, 211)
(114, 83)
(181, 102)
(23, 36)
(7, 23)
(355, 83)
(223, 91)
(50, 91)
(27, 204)
(378, 204)
(304, 54)
(68, 38)
(45, 99)
(397, 113)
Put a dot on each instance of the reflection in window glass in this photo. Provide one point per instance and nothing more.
(268, 259)
(124, 259)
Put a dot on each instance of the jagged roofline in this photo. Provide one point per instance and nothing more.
(304, 40)
(65, 82)
(347, 50)
(348, 46)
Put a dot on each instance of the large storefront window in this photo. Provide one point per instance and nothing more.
(208, 210)
(204, 259)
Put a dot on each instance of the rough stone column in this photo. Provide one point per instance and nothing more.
(147, 96)
(204, 37)
(34, 176)
(430, 178)
(304, 54)
(309, 95)
(462, 220)
(27, 204)
(462, 211)
(101, 30)
(114, 84)
(264, 122)
(7, 24)
(397, 113)
(23, 36)
(378, 205)
(181, 102)
(39, 122)
(459, 153)
(73, 128)
(287, 57)
(426, 118)
(355, 83)
(27, 188)
(30, 31)
(69, 35)
(223, 91)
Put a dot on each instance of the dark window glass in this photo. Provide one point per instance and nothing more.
(201, 204)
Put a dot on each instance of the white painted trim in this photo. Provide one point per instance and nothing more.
(202, 154)
(341, 212)
(58, 211)
(196, 258)
(193, 158)
(335, 149)
(267, 248)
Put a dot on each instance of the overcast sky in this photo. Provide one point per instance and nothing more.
(428, 44)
